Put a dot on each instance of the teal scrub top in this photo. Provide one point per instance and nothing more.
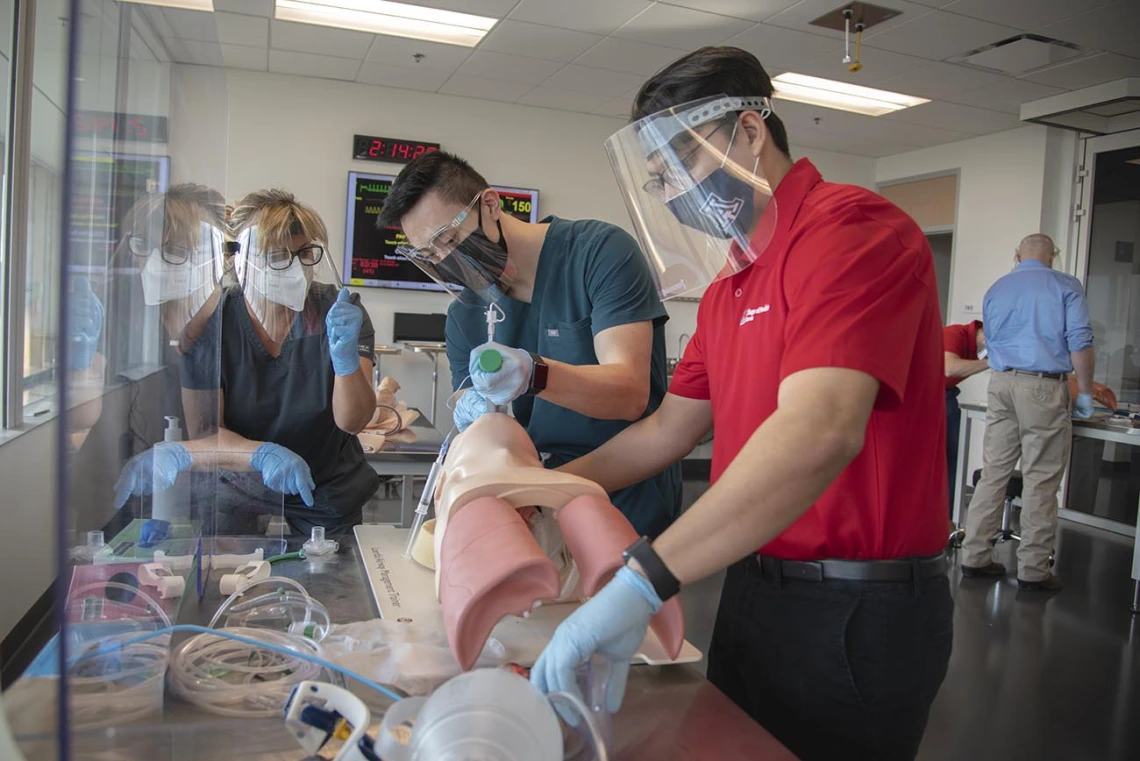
(591, 276)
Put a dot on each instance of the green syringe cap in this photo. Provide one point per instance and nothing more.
(490, 361)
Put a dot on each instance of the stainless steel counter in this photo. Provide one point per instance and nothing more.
(670, 713)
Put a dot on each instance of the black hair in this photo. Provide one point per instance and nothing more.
(704, 73)
(445, 173)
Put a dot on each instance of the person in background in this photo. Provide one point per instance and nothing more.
(294, 377)
(1037, 331)
(818, 357)
(582, 336)
(965, 349)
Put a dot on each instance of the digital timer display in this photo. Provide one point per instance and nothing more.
(390, 150)
(370, 253)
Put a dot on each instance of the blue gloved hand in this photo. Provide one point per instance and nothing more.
(156, 468)
(468, 409)
(1083, 407)
(612, 623)
(284, 470)
(343, 323)
(509, 381)
(85, 323)
(152, 532)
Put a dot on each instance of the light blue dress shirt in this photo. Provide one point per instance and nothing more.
(1034, 317)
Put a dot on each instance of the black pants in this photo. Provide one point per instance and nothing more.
(953, 423)
(834, 669)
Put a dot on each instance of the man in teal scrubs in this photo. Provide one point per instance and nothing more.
(580, 346)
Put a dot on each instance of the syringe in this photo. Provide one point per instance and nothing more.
(490, 360)
(428, 494)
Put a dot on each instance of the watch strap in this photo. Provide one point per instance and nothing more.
(664, 582)
(539, 372)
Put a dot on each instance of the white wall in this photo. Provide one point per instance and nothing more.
(296, 132)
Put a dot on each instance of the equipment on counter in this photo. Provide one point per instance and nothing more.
(234, 583)
(391, 418)
(318, 546)
(428, 495)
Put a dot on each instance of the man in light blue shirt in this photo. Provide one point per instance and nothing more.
(1037, 332)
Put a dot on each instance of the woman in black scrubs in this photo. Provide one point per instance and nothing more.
(287, 360)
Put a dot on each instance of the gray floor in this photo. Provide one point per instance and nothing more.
(1032, 676)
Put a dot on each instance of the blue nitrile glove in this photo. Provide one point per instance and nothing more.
(284, 470)
(612, 623)
(85, 322)
(343, 323)
(156, 468)
(468, 409)
(153, 532)
(1083, 407)
(500, 381)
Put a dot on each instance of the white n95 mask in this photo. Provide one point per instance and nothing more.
(163, 281)
(287, 287)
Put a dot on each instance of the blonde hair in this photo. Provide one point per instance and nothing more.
(278, 216)
(179, 212)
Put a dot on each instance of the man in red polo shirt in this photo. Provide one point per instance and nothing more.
(964, 348)
(818, 357)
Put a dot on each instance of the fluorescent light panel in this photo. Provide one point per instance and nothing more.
(828, 93)
(395, 19)
(188, 5)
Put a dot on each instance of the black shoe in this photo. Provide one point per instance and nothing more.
(992, 570)
(1051, 583)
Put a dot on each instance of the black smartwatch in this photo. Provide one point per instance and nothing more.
(539, 371)
(662, 579)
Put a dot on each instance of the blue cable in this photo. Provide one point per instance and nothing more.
(107, 648)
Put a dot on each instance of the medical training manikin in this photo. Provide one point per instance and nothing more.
(509, 533)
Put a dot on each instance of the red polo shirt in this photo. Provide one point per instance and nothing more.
(963, 341)
(847, 281)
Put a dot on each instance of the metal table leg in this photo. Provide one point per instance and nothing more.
(434, 386)
(406, 502)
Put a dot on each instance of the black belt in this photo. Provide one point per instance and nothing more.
(904, 569)
(1050, 376)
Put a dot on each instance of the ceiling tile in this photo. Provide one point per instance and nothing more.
(595, 16)
(511, 68)
(1133, 51)
(776, 47)
(888, 128)
(800, 16)
(565, 100)
(1109, 27)
(493, 8)
(191, 25)
(941, 80)
(1005, 96)
(613, 107)
(682, 28)
(195, 51)
(406, 77)
(242, 57)
(878, 65)
(629, 56)
(1088, 71)
(933, 3)
(319, 40)
(263, 8)
(310, 65)
(487, 89)
(753, 10)
(939, 35)
(235, 29)
(401, 51)
(536, 41)
(953, 116)
(593, 81)
(855, 145)
(1023, 14)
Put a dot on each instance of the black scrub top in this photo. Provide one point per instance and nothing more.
(288, 400)
(591, 276)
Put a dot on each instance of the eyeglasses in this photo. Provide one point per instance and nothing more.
(139, 245)
(282, 258)
(676, 171)
(443, 241)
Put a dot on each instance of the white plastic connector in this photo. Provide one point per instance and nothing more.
(150, 574)
(244, 576)
(171, 586)
(318, 545)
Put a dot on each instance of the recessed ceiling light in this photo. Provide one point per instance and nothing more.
(395, 19)
(841, 95)
(189, 5)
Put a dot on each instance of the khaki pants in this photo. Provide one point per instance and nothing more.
(1028, 417)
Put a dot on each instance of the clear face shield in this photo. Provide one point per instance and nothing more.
(699, 201)
(459, 256)
(285, 281)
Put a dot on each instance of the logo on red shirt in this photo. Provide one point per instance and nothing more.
(750, 314)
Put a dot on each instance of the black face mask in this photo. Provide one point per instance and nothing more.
(490, 257)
